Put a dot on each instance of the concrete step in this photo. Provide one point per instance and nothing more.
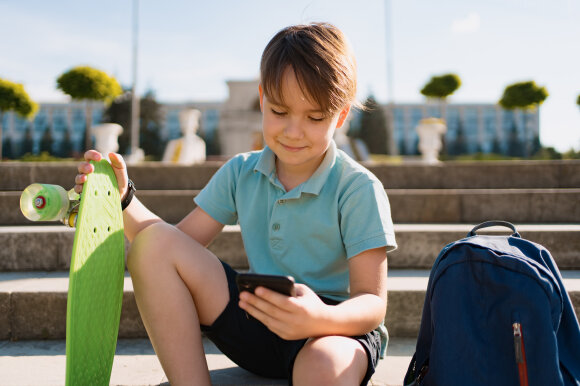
(407, 205)
(33, 304)
(49, 247)
(445, 175)
(136, 364)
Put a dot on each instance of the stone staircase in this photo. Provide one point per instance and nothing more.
(431, 206)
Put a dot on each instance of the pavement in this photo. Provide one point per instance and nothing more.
(42, 363)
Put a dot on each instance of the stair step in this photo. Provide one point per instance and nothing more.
(49, 247)
(136, 364)
(33, 304)
(445, 175)
(407, 205)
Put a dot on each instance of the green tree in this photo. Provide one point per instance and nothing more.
(523, 95)
(88, 84)
(526, 96)
(14, 98)
(578, 100)
(459, 145)
(496, 146)
(27, 145)
(66, 146)
(7, 148)
(212, 142)
(46, 141)
(373, 127)
(150, 122)
(439, 88)
(515, 147)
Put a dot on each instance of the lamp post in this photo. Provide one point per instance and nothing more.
(134, 96)
(392, 147)
(389, 51)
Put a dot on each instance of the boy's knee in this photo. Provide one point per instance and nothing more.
(147, 245)
(330, 360)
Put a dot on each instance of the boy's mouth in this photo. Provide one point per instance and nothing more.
(292, 148)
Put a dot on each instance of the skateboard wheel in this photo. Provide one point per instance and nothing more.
(44, 202)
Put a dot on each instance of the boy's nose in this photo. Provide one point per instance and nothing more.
(293, 129)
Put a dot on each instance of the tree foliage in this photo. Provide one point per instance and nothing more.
(523, 95)
(13, 97)
(459, 145)
(7, 148)
(578, 100)
(441, 86)
(373, 127)
(87, 83)
(46, 141)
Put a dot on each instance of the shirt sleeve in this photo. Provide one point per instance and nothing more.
(218, 197)
(366, 219)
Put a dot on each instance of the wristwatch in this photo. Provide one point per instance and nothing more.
(130, 193)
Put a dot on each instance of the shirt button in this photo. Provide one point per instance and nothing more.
(281, 201)
(276, 226)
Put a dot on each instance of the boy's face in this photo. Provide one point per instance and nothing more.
(297, 131)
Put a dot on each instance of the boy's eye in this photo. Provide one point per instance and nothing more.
(277, 112)
(316, 119)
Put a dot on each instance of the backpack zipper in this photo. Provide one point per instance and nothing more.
(520, 352)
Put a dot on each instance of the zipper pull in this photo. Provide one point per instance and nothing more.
(518, 342)
(520, 353)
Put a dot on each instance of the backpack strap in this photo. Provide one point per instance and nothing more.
(492, 223)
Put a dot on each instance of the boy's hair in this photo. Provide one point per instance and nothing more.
(322, 61)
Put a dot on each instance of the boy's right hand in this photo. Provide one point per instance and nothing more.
(117, 162)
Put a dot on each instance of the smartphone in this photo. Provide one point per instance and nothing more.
(282, 284)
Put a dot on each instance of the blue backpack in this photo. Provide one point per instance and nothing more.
(496, 313)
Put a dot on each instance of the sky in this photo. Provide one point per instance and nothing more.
(188, 49)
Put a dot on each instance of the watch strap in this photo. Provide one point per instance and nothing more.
(130, 193)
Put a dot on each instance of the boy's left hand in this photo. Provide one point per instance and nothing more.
(288, 317)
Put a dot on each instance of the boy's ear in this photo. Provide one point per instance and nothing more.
(261, 97)
(342, 116)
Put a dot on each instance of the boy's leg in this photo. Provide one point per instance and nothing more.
(330, 360)
(178, 284)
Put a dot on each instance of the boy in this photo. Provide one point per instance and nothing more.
(305, 209)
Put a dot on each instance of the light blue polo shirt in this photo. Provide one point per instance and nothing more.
(309, 232)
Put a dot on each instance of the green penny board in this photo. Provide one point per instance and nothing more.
(96, 278)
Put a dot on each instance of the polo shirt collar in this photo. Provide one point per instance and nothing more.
(267, 166)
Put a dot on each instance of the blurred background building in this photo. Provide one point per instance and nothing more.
(234, 126)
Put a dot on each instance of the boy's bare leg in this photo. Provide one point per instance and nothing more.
(178, 284)
(330, 360)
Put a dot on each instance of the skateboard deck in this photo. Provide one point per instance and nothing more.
(96, 281)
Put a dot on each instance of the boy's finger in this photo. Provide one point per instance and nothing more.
(80, 179)
(85, 168)
(93, 155)
(271, 296)
(117, 161)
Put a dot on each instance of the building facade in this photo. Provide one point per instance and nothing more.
(236, 125)
(471, 128)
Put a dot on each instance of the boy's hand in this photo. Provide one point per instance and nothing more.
(84, 168)
(288, 317)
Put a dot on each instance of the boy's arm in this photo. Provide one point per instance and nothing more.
(307, 316)
(136, 217)
(367, 305)
(197, 224)
(200, 226)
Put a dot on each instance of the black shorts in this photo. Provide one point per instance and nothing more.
(249, 344)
